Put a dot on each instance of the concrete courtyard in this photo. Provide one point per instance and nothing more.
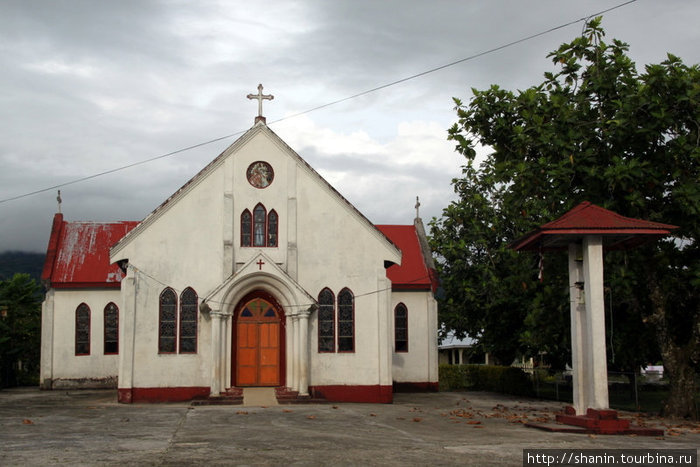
(88, 427)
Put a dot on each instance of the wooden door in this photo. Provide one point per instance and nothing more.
(258, 344)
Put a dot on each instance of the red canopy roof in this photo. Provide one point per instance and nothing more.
(413, 272)
(78, 254)
(619, 232)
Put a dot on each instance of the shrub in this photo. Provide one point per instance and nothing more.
(503, 379)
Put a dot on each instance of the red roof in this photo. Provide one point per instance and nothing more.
(619, 232)
(413, 272)
(78, 254)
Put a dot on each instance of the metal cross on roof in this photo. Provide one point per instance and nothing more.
(260, 97)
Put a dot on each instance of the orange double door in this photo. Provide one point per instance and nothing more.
(258, 344)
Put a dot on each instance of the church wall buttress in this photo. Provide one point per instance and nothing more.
(228, 221)
(292, 256)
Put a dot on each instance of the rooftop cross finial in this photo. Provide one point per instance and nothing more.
(417, 208)
(260, 97)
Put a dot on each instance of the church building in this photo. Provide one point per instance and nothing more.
(256, 273)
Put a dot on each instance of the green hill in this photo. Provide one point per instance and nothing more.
(12, 262)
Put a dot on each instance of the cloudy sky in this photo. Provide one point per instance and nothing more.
(89, 86)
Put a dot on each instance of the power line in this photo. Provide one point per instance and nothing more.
(323, 106)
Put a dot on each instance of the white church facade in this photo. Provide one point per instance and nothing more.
(256, 273)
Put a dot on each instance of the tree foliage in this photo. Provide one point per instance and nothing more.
(20, 331)
(595, 129)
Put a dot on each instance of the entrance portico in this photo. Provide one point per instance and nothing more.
(260, 330)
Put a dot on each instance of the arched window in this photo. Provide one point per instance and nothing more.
(272, 228)
(246, 228)
(346, 321)
(188, 321)
(111, 329)
(401, 328)
(259, 228)
(167, 327)
(326, 321)
(82, 330)
(259, 217)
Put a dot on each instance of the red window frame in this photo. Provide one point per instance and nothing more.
(193, 302)
(259, 222)
(404, 326)
(346, 291)
(267, 221)
(83, 307)
(246, 230)
(332, 310)
(106, 339)
(272, 239)
(167, 290)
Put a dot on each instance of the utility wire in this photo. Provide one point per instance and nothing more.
(323, 106)
(138, 270)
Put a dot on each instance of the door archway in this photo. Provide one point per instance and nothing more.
(258, 341)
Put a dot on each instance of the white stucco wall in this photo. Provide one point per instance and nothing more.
(61, 367)
(323, 242)
(419, 364)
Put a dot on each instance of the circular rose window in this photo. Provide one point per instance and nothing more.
(260, 174)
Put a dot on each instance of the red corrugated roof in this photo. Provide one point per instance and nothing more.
(78, 254)
(412, 273)
(618, 231)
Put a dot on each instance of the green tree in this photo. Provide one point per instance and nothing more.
(595, 129)
(20, 331)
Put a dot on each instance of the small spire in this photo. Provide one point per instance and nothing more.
(417, 208)
(58, 198)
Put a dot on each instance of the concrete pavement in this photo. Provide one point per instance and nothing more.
(472, 428)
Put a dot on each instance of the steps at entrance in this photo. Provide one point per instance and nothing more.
(232, 396)
(259, 397)
(287, 396)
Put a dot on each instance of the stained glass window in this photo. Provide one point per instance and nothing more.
(111, 329)
(346, 321)
(246, 228)
(401, 328)
(326, 321)
(272, 228)
(167, 328)
(259, 216)
(188, 321)
(82, 330)
(259, 228)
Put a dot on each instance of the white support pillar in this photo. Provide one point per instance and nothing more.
(225, 352)
(127, 330)
(47, 343)
(304, 352)
(385, 338)
(578, 326)
(596, 360)
(294, 383)
(215, 383)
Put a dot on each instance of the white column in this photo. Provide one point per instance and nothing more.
(224, 352)
(294, 360)
(433, 364)
(385, 339)
(215, 384)
(304, 352)
(595, 322)
(127, 329)
(578, 326)
(47, 343)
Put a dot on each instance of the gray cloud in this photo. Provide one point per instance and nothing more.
(89, 86)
